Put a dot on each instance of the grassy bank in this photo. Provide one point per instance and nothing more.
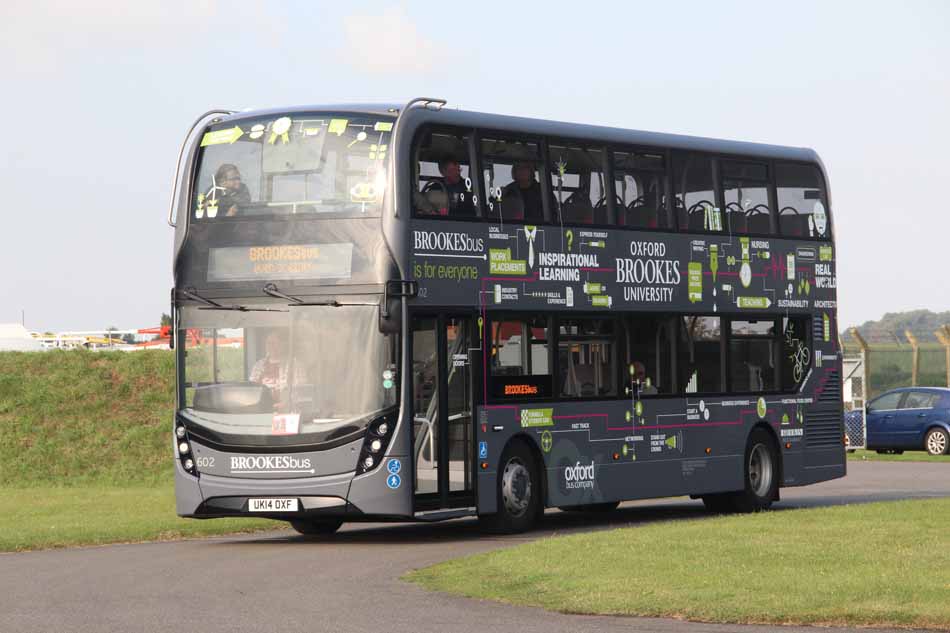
(44, 517)
(883, 564)
(86, 418)
(85, 451)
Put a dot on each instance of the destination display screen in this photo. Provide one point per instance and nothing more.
(295, 261)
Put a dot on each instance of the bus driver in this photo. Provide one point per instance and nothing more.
(271, 371)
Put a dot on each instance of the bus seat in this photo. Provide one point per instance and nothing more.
(759, 223)
(581, 381)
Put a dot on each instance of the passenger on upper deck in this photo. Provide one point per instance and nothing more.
(525, 189)
(231, 193)
(448, 196)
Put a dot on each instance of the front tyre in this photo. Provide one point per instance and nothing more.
(937, 442)
(316, 527)
(518, 491)
(761, 474)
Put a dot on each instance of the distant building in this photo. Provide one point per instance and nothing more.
(16, 338)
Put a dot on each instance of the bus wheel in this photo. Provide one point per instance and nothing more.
(761, 474)
(518, 491)
(607, 506)
(316, 527)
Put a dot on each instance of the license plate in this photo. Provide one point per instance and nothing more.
(272, 505)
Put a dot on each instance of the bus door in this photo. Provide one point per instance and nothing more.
(443, 406)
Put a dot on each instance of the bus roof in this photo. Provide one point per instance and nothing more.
(540, 127)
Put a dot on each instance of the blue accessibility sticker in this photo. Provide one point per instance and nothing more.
(394, 466)
(482, 450)
(393, 481)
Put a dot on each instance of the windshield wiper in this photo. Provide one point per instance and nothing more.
(272, 290)
(214, 305)
(191, 294)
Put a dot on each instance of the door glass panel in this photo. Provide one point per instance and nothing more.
(425, 393)
(459, 423)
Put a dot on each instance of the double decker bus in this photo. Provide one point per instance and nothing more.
(412, 312)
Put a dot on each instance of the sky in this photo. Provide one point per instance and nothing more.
(98, 96)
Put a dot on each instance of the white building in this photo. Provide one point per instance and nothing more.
(16, 338)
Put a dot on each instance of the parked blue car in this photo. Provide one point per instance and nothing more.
(910, 418)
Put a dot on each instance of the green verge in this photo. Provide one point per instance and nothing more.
(908, 456)
(86, 451)
(882, 564)
(47, 517)
(86, 418)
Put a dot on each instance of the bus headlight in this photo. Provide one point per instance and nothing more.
(184, 448)
(378, 434)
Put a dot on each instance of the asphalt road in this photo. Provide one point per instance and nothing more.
(278, 581)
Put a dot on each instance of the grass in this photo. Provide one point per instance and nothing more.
(85, 451)
(46, 517)
(907, 456)
(86, 418)
(884, 564)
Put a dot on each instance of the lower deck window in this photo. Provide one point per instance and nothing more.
(699, 355)
(587, 358)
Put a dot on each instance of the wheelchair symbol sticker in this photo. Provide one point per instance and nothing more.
(394, 466)
(482, 450)
(393, 481)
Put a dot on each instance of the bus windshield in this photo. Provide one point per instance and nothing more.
(323, 372)
(316, 164)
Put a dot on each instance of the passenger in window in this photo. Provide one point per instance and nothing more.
(448, 196)
(641, 378)
(228, 191)
(525, 189)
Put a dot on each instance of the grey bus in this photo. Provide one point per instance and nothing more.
(413, 313)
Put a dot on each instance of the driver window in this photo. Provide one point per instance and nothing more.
(578, 184)
(695, 196)
(443, 178)
(745, 193)
(887, 402)
(640, 185)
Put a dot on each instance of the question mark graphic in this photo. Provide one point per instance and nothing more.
(570, 238)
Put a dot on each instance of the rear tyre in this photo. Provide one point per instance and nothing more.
(607, 506)
(761, 474)
(937, 442)
(518, 491)
(316, 527)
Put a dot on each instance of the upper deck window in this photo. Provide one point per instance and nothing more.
(511, 169)
(327, 165)
(695, 195)
(578, 184)
(802, 206)
(745, 193)
(640, 185)
(444, 181)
